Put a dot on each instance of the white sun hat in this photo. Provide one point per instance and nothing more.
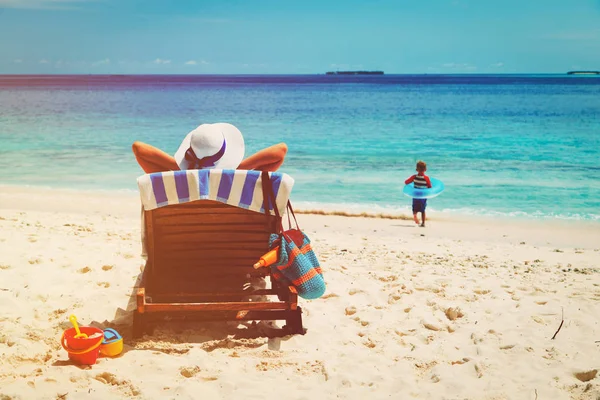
(219, 145)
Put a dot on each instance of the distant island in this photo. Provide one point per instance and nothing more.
(354, 73)
(583, 73)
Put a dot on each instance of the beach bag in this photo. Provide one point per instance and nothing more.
(296, 265)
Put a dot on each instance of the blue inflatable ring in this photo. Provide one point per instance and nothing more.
(437, 187)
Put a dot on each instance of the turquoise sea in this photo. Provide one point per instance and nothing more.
(524, 146)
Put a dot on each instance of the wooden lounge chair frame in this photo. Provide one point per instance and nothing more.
(199, 257)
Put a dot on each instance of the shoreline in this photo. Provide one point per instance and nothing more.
(121, 199)
(571, 233)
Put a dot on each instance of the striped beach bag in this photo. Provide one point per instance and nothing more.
(297, 265)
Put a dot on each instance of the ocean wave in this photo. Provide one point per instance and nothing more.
(395, 212)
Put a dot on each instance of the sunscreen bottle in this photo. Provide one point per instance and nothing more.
(267, 259)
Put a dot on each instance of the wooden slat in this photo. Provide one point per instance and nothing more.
(200, 228)
(201, 259)
(211, 237)
(203, 204)
(209, 270)
(210, 228)
(183, 272)
(255, 292)
(259, 315)
(194, 266)
(229, 306)
(258, 246)
(187, 218)
(207, 274)
(211, 253)
(189, 208)
(189, 280)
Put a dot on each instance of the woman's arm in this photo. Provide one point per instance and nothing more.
(269, 159)
(152, 159)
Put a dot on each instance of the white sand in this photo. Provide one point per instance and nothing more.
(457, 310)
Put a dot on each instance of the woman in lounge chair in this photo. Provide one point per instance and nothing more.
(219, 145)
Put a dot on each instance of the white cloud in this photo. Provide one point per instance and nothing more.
(497, 65)
(44, 61)
(459, 66)
(18, 61)
(39, 4)
(106, 61)
(194, 62)
(161, 61)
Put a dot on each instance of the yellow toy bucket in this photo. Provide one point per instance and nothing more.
(112, 344)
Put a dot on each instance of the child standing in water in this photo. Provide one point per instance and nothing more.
(421, 181)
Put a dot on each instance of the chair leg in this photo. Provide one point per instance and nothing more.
(294, 322)
(282, 292)
(139, 324)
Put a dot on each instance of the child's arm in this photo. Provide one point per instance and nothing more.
(409, 180)
(428, 181)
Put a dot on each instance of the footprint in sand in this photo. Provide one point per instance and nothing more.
(453, 313)
(107, 267)
(394, 297)
(110, 379)
(84, 270)
(352, 292)
(431, 326)
(189, 372)
(370, 344)
(103, 284)
(5, 266)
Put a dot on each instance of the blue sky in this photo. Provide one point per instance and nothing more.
(308, 36)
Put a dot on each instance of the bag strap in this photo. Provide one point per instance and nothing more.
(291, 211)
(269, 199)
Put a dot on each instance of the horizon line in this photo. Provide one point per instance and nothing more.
(292, 74)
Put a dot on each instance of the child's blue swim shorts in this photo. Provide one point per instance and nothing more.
(419, 205)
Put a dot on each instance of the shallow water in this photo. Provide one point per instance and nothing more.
(522, 146)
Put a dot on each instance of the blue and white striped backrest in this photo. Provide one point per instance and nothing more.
(238, 188)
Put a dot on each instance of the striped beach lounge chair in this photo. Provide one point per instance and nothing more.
(202, 232)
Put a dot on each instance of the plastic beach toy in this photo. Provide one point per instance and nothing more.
(83, 349)
(437, 187)
(112, 344)
(73, 320)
